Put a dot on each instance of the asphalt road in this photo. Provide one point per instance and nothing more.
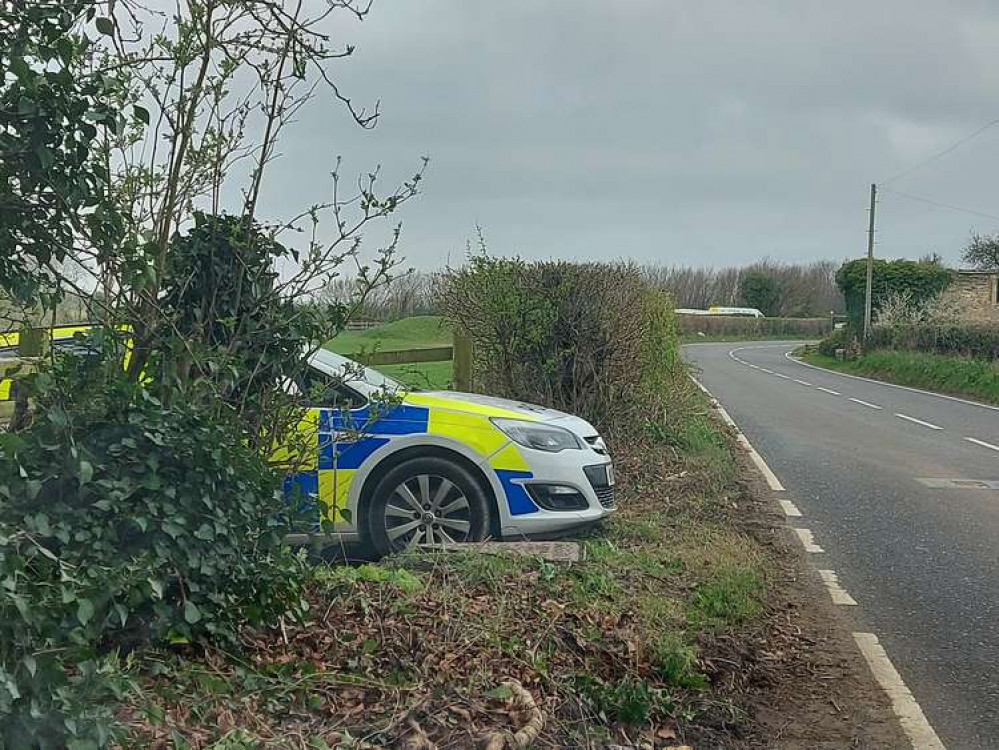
(922, 562)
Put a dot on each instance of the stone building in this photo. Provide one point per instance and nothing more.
(975, 295)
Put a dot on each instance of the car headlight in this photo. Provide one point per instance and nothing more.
(537, 435)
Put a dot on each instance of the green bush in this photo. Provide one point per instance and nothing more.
(123, 521)
(964, 339)
(592, 339)
(838, 339)
(921, 281)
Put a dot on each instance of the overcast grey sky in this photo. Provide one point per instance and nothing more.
(676, 131)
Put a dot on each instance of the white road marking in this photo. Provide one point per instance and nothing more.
(768, 372)
(958, 484)
(982, 443)
(837, 592)
(864, 403)
(782, 375)
(828, 390)
(700, 385)
(790, 509)
(907, 418)
(772, 481)
(910, 715)
(808, 541)
(787, 355)
(803, 382)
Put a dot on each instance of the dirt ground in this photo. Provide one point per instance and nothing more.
(695, 620)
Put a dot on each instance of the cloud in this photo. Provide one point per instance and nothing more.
(664, 130)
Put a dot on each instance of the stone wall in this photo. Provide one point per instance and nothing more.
(974, 295)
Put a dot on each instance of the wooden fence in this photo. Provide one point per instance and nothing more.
(460, 354)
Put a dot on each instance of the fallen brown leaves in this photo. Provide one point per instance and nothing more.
(465, 650)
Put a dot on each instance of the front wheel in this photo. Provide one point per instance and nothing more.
(427, 501)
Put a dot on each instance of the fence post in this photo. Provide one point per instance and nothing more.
(32, 342)
(462, 361)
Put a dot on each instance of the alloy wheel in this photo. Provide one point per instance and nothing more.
(426, 510)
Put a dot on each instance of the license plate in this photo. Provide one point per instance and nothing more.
(610, 475)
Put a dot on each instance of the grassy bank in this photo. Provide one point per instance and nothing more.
(417, 332)
(933, 372)
(633, 642)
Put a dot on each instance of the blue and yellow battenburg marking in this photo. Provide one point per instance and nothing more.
(344, 440)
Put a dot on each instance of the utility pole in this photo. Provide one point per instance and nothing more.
(870, 264)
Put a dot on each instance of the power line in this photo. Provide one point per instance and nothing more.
(938, 204)
(941, 154)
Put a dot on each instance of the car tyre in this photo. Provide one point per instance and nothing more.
(427, 501)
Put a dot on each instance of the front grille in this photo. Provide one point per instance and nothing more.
(605, 495)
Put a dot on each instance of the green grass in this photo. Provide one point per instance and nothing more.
(956, 376)
(417, 332)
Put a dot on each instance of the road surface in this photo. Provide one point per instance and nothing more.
(900, 491)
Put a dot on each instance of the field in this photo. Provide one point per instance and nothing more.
(418, 332)
(956, 376)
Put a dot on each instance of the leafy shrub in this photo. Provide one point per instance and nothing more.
(593, 339)
(960, 338)
(838, 339)
(123, 520)
(922, 281)
(628, 701)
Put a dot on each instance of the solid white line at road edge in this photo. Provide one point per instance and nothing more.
(910, 715)
(772, 481)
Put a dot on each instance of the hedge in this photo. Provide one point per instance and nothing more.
(965, 339)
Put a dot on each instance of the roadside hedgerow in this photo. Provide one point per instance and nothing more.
(123, 521)
(594, 339)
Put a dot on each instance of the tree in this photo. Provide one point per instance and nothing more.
(757, 289)
(919, 282)
(982, 252)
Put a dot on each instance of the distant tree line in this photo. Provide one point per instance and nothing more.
(794, 290)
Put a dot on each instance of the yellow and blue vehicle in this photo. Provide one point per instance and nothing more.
(394, 467)
(424, 468)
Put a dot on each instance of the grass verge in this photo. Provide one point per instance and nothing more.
(416, 332)
(633, 643)
(955, 376)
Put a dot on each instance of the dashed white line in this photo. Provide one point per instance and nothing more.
(803, 382)
(982, 443)
(797, 361)
(907, 418)
(782, 375)
(865, 403)
(830, 391)
(790, 509)
(837, 592)
(910, 715)
(768, 372)
(808, 541)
